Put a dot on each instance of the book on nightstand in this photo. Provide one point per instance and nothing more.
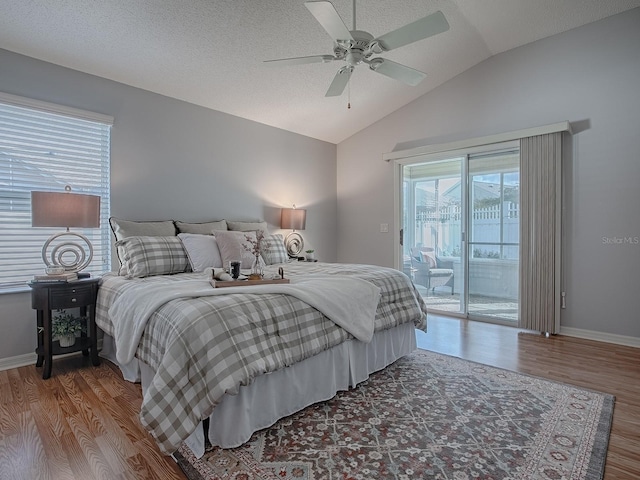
(62, 277)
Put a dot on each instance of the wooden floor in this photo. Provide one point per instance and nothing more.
(82, 422)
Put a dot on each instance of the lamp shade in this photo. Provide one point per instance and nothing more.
(56, 209)
(293, 218)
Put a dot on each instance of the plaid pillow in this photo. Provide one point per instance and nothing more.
(273, 250)
(148, 256)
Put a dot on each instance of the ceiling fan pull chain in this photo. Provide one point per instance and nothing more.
(349, 93)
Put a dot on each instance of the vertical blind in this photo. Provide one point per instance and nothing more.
(540, 197)
(45, 147)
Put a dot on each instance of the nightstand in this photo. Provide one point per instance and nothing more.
(48, 296)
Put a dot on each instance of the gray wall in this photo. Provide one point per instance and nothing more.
(175, 160)
(589, 76)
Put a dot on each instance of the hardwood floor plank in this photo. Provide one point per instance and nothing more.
(115, 457)
(138, 468)
(78, 463)
(6, 395)
(90, 449)
(17, 390)
(56, 459)
(163, 467)
(22, 454)
(10, 419)
(85, 403)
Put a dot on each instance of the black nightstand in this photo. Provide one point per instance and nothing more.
(48, 296)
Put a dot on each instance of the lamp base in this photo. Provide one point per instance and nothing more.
(294, 244)
(62, 247)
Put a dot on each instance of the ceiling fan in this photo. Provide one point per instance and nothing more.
(356, 46)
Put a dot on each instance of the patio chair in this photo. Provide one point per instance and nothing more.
(429, 270)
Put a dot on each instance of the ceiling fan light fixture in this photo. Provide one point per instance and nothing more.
(354, 58)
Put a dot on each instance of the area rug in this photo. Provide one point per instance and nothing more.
(428, 416)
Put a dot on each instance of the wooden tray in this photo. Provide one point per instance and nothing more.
(242, 283)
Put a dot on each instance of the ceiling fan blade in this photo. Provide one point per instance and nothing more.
(339, 82)
(418, 30)
(300, 60)
(327, 16)
(394, 70)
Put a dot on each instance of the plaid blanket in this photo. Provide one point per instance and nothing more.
(202, 348)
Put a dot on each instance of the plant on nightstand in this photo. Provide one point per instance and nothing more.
(65, 326)
(310, 255)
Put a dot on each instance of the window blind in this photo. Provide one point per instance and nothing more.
(45, 147)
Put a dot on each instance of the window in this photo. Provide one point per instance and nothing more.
(46, 147)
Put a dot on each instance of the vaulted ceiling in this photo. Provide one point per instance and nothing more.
(211, 52)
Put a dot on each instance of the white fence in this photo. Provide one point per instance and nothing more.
(491, 225)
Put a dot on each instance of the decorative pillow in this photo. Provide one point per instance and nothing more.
(234, 246)
(201, 228)
(202, 251)
(248, 226)
(125, 228)
(148, 256)
(430, 258)
(273, 250)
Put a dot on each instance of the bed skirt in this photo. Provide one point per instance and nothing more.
(281, 393)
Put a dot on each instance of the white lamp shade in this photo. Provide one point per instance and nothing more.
(56, 209)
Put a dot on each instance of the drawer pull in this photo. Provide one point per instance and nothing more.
(73, 300)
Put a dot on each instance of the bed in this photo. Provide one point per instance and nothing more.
(245, 357)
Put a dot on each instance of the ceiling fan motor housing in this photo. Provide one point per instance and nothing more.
(354, 50)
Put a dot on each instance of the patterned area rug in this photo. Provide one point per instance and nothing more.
(428, 416)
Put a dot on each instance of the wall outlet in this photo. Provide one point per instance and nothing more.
(384, 227)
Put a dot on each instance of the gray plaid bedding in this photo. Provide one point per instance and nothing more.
(202, 348)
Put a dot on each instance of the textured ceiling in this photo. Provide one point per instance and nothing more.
(210, 52)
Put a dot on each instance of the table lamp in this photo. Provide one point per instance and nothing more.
(294, 219)
(66, 209)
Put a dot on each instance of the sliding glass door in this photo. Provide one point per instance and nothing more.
(460, 224)
(494, 223)
(433, 227)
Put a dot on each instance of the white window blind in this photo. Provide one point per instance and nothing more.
(45, 147)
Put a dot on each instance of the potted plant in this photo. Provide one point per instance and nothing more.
(65, 326)
(310, 255)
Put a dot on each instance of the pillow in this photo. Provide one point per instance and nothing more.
(235, 246)
(429, 258)
(273, 250)
(248, 226)
(148, 256)
(202, 251)
(125, 228)
(201, 228)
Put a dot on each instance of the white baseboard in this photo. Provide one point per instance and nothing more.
(600, 336)
(31, 358)
(18, 361)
